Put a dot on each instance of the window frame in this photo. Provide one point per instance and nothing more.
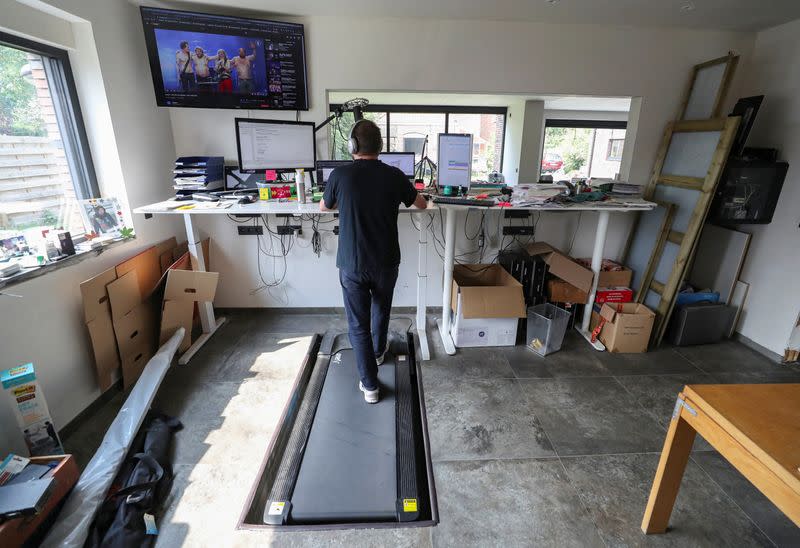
(611, 143)
(64, 94)
(434, 109)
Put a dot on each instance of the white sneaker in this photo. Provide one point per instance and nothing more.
(370, 396)
(379, 360)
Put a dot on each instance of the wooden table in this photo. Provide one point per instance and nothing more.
(755, 426)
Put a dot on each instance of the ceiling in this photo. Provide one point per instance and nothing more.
(740, 15)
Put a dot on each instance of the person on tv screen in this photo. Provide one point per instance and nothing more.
(201, 70)
(183, 63)
(223, 68)
(244, 69)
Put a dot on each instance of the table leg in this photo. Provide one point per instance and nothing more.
(447, 284)
(206, 309)
(597, 261)
(674, 457)
(422, 291)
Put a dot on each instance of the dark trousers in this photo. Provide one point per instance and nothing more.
(368, 303)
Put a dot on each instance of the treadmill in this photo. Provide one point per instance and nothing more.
(339, 461)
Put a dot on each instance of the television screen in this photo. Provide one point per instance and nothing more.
(214, 61)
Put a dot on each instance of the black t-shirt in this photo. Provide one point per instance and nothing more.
(368, 194)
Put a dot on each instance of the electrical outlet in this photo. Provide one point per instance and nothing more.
(518, 231)
(286, 230)
(250, 230)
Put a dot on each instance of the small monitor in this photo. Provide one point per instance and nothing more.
(325, 167)
(275, 144)
(404, 161)
(455, 160)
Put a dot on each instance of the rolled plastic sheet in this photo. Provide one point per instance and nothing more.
(75, 519)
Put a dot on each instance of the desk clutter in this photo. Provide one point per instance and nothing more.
(134, 307)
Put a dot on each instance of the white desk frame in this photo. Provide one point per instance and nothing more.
(604, 212)
(210, 323)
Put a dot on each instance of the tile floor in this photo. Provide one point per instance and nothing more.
(528, 451)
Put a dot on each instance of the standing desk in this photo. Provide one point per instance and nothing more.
(210, 323)
(603, 208)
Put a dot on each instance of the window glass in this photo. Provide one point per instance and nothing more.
(339, 133)
(487, 140)
(582, 152)
(37, 189)
(408, 130)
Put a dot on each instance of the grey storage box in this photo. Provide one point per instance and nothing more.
(701, 323)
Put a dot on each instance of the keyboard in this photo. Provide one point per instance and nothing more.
(445, 200)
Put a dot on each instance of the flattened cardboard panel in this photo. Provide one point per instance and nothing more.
(133, 365)
(179, 251)
(684, 198)
(703, 96)
(186, 285)
(123, 294)
(165, 260)
(104, 347)
(95, 295)
(147, 267)
(134, 329)
(644, 240)
(667, 262)
(177, 314)
(718, 260)
(690, 153)
(167, 245)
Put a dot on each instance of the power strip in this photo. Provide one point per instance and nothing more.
(518, 231)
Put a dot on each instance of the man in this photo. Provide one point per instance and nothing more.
(201, 70)
(183, 63)
(368, 194)
(244, 70)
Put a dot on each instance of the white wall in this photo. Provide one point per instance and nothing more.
(773, 261)
(454, 56)
(131, 144)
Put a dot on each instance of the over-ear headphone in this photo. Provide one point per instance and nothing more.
(352, 143)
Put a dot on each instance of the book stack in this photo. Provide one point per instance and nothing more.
(198, 174)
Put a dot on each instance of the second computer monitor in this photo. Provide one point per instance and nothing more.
(455, 160)
(275, 144)
(326, 167)
(404, 161)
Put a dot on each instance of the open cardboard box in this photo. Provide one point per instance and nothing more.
(486, 302)
(184, 288)
(626, 327)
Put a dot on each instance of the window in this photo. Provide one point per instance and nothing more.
(614, 153)
(45, 166)
(406, 127)
(582, 148)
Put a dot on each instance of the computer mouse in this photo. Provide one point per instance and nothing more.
(244, 200)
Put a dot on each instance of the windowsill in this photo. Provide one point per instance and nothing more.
(30, 273)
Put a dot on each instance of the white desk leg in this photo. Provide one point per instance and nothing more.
(597, 261)
(206, 309)
(422, 291)
(447, 284)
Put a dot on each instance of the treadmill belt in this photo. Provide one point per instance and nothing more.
(349, 468)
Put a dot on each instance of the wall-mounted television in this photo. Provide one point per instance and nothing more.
(214, 61)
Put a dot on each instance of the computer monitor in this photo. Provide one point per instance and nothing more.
(275, 144)
(455, 160)
(404, 161)
(325, 167)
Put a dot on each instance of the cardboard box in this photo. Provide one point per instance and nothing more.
(620, 276)
(613, 295)
(104, 347)
(95, 295)
(560, 291)
(29, 530)
(183, 289)
(626, 327)
(30, 409)
(486, 302)
(562, 266)
(147, 267)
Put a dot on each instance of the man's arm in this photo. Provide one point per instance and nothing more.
(323, 207)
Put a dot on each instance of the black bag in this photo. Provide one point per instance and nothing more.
(141, 486)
